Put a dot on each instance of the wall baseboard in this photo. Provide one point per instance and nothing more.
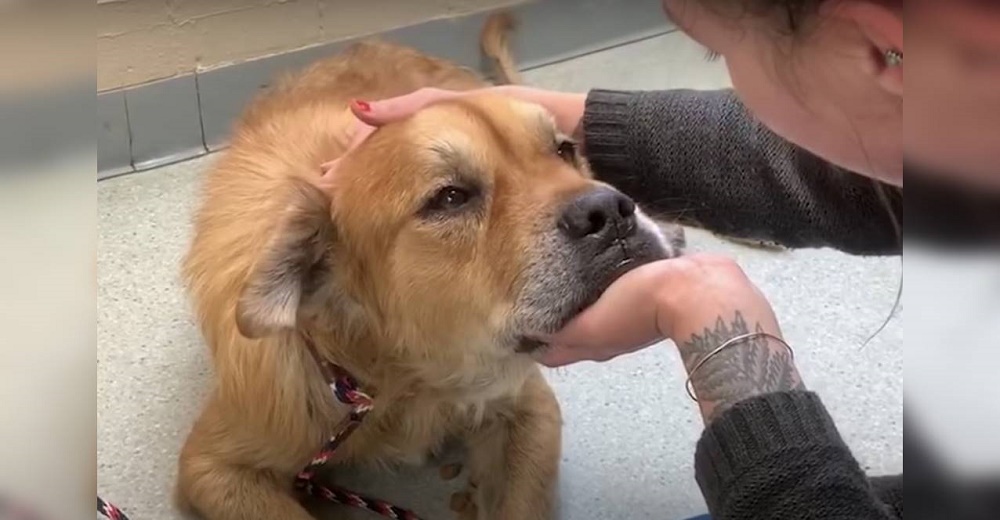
(163, 122)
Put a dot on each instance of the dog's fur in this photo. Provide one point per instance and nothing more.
(431, 310)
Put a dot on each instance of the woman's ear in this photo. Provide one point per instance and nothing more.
(292, 268)
(882, 27)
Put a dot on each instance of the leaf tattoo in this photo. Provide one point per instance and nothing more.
(752, 367)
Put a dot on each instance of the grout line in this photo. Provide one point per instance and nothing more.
(128, 128)
(201, 117)
(156, 166)
(598, 49)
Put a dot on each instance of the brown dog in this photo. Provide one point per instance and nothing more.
(442, 246)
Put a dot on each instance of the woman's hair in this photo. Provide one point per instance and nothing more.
(788, 16)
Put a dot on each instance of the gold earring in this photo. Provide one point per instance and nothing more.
(893, 58)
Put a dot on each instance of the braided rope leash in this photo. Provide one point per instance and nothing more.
(345, 389)
(109, 511)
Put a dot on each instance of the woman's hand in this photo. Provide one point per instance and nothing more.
(669, 299)
(699, 302)
(567, 109)
(359, 133)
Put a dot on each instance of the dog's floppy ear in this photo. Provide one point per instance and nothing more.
(293, 265)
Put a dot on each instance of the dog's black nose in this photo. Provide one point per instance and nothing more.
(601, 212)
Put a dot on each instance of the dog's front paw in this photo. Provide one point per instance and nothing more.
(463, 504)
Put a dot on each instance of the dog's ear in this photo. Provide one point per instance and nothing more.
(292, 267)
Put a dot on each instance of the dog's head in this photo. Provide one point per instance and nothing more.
(473, 226)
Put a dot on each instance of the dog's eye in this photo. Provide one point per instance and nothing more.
(566, 150)
(449, 198)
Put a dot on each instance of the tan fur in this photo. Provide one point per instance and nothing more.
(426, 358)
(496, 46)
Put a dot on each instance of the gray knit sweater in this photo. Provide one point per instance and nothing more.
(700, 157)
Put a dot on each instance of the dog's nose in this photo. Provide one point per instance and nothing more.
(601, 212)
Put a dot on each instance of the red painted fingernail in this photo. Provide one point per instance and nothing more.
(363, 106)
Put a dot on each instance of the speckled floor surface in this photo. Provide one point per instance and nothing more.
(630, 429)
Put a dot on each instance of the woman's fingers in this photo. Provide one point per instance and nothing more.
(558, 356)
(328, 167)
(622, 320)
(371, 115)
(673, 298)
(377, 113)
(361, 132)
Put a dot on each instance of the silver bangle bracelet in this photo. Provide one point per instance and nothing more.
(689, 385)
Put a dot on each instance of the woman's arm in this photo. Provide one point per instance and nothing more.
(779, 456)
(700, 157)
(748, 368)
(769, 449)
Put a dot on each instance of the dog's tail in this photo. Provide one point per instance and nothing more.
(495, 43)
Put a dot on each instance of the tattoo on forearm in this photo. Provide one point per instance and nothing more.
(754, 366)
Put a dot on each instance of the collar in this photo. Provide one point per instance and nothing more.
(342, 384)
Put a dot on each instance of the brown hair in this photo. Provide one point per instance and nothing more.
(790, 17)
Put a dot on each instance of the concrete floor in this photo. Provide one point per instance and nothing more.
(630, 428)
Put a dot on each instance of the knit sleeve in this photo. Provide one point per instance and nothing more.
(779, 456)
(700, 158)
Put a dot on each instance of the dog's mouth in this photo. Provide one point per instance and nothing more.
(535, 342)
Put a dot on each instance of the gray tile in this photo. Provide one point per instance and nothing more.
(455, 39)
(557, 30)
(667, 61)
(114, 155)
(165, 122)
(225, 91)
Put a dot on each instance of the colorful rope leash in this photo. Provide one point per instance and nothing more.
(109, 511)
(345, 388)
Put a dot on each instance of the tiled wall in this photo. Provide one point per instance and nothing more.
(157, 122)
(145, 40)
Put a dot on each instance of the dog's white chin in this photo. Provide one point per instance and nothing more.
(669, 245)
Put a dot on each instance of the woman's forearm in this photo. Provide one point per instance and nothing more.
(699, 157)
(748, 368)
(769, 449)
(779, 456)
